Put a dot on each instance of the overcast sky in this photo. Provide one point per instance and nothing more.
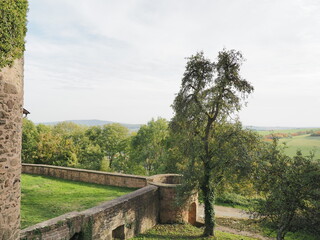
(123, 61)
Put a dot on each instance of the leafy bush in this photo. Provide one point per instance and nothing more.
(13, 20)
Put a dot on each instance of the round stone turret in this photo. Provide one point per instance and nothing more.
(170, 211)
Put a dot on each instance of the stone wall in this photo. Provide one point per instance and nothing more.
(121, 218)
(11, 101)
(82, 175)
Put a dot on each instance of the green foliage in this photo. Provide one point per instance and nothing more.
(46, 197)
(211, 146)
(30, 139)
(87, 230)
(112, 140)
(291, 190)
(149, 146)
(13, 20)
(64, 144)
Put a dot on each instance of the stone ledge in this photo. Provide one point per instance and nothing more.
(89, 176)
(85, 170)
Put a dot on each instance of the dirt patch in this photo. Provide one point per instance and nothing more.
(225, 212)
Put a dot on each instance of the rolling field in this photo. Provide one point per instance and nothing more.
(45, 197)
(305, 143)
(293, 130)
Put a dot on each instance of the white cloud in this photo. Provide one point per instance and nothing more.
(123, 60)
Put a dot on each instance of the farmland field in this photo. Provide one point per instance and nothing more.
(45, 197)
(305, 143)
(289, 131)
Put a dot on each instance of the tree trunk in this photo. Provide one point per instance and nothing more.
(283, 229)
(209, 197)
(280, 234)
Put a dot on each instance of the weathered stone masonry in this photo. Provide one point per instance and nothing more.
(11, 100)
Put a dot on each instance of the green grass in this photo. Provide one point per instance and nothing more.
(185, 231)
(43, 197)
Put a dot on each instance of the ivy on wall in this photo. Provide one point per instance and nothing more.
(13, 21)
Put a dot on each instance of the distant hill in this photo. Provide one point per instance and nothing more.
(136, 127)
(95, 122)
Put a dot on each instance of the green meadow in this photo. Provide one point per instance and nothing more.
(43, 197)
(289, 131)
(305, 143)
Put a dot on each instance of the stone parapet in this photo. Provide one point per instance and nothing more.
(121, 218)
(82, 175)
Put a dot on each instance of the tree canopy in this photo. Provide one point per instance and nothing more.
(210, 95)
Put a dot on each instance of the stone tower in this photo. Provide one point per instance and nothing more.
(11, 101)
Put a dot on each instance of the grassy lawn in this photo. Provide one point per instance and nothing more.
(45, 197)
(181, 232)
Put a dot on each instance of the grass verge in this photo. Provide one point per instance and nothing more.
(184, 231)
(45, 197)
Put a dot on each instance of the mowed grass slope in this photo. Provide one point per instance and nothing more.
(45, 197)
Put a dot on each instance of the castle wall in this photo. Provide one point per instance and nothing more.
(121, 218)
(82, 175)
(11, 101)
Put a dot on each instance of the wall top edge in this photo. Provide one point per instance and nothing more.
(85, 170)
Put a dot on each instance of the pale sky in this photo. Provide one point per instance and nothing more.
(123, 60)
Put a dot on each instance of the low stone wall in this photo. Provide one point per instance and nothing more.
(82, 175)
(121, 218)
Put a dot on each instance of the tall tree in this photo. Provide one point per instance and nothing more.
(211, 93)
